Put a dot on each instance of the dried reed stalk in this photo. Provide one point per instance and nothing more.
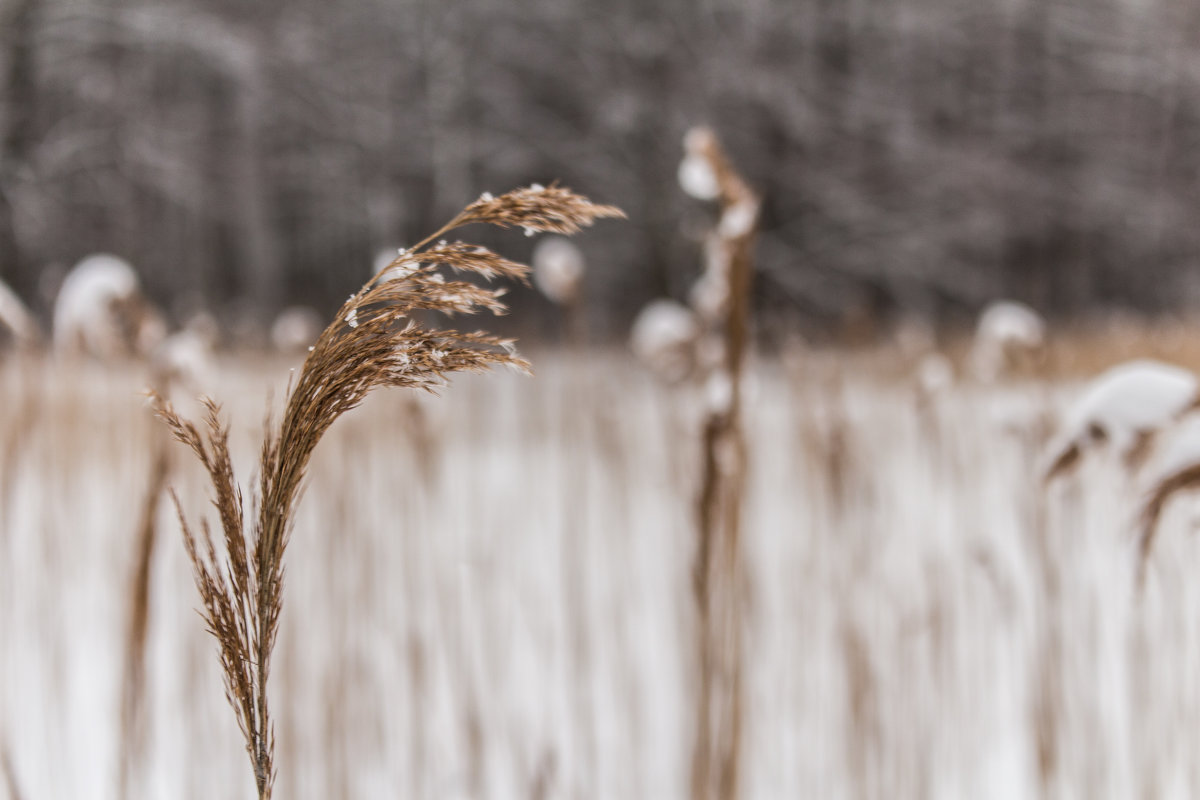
(373, 342)
(132, 726)
(1152, 508)
(719, 585)
(1046, 702)
(24, 420)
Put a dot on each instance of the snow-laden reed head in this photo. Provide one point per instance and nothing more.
(558, 268)
(1174, 470)
(373, 341)
(1009, 336)
(1122, 408)
(101, 311)
(1142, 412)
(664, 338)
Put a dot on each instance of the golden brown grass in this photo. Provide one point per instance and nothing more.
(1081, 350)
(373, 341)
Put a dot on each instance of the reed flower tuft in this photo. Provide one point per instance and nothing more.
(373, 341)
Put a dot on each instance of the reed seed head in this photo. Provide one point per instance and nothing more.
(373, 341)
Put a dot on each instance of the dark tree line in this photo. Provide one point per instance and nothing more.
(917, 155)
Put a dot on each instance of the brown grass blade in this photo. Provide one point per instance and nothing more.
(1152, 508)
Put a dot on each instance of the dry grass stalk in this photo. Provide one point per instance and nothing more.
(132, 733)
(24, 420)
(372, 342)
(1047, 710)
(1065, 461)
(1152, 509)
(719, 584)
(864, 733)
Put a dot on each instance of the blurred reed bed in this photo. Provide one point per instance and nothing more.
(925, 619)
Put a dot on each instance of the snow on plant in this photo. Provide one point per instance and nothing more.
(558, 268)
(663, 337)
(1123, 408)
(101, 311)
(1007, 336)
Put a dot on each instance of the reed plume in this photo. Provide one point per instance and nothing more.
(373, 341)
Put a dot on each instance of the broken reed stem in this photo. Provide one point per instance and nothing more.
(373, 341)
(719, 584)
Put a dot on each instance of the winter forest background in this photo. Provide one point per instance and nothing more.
(917, 156)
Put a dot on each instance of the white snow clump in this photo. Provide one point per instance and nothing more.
(558, 267)
(1121, 407)
(1008, 336)
(664, 338)
(101, 311)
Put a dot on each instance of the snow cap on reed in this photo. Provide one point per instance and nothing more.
(558, 268)
(664, 338)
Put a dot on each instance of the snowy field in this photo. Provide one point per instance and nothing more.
(488, 596)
